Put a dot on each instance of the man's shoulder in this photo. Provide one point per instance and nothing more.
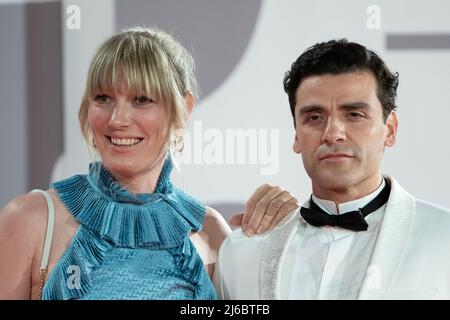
(432, 210)
(422, 207)
(432, 223)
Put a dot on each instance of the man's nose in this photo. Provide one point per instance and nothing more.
(121, 115)
(334, 131)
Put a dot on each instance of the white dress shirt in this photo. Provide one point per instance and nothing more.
(330, 262)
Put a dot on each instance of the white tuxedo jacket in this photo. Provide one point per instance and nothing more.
(411, 258)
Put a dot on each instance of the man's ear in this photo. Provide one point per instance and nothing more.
(392, 125)
(297, 146)
(190, 101)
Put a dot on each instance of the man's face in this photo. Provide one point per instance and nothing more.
(341, 133)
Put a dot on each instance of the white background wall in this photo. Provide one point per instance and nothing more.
(252, 96)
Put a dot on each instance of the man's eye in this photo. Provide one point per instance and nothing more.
(142, 100)
(102, 98)
(313, 118)
(355, 115)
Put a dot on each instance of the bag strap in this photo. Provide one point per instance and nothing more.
(48, 239)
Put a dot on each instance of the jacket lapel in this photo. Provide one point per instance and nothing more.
(272, 257)
(392, 240)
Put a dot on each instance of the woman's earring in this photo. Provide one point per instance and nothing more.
(91, 140)
(178, 143)
(93, 143)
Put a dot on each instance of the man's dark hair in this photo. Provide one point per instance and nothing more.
(337, 57)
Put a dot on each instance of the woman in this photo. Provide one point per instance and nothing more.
(123, 231)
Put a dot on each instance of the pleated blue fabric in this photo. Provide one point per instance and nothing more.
(129, 246)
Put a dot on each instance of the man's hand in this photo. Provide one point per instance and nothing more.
(267, 206)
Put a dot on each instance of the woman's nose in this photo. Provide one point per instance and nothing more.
(120, 116)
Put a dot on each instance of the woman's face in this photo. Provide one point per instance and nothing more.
(130, 132)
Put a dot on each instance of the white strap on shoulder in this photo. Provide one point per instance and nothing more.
(50, 227)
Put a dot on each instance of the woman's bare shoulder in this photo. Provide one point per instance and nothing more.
(24, 212)
(215, 226)
(21, 221)
(213, 219)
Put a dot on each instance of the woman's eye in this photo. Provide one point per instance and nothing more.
(102, 98)
(142, 100)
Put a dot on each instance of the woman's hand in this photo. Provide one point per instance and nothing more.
(267, 206)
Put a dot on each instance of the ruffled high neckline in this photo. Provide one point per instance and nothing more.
(107, 184)
(158, 220)
(111, 217)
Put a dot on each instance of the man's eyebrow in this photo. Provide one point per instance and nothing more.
(346, 106)
(311, 108)
(355, 105)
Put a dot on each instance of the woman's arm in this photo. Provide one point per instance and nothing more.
(20, 222)
(208, 241)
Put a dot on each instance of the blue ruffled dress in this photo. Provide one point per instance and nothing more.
(129, 246)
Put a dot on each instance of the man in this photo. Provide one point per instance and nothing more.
(360, 235)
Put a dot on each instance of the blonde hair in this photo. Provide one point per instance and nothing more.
(145, 60)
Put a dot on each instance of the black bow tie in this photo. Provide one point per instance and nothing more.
(353, 220)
